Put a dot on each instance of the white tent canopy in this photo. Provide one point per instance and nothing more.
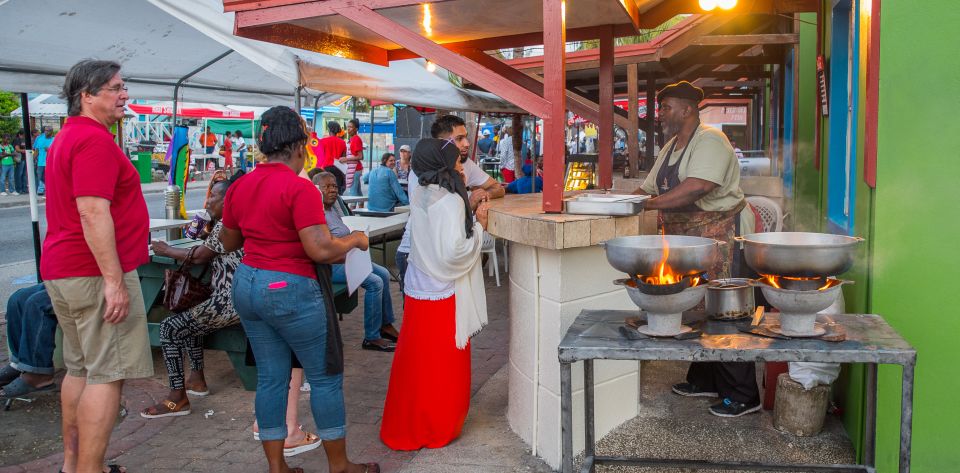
(44, 105)
(160, 41)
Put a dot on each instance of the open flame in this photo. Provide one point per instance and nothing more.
(665, 274)
(775, 281)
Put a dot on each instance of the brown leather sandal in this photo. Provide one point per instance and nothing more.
(174, 409)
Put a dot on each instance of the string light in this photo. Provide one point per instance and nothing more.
(427, 18)
(708, 5)
(726, 4)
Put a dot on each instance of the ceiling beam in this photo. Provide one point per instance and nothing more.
(311, 40)
(665, 10)
(518, 40)
(303, 10)
(746, 39)
(453, 62)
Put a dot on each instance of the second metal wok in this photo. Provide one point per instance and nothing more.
(799, 254)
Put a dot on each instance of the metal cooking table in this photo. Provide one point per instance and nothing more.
(869, 340)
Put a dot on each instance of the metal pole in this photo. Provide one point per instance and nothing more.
(370, 157)
(31, 182)
(316, 101)
(176, 87)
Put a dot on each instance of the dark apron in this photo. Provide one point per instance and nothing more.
(692, 221)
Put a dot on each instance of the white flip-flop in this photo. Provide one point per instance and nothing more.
(198, 393)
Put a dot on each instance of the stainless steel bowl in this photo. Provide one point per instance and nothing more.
(799, 254)
(642, 254)
(730, 299)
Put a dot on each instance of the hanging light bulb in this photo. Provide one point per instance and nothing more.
(707, 5)
(431, 66)
(726, 4)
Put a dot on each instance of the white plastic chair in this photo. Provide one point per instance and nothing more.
(770, 213)
(490, 248)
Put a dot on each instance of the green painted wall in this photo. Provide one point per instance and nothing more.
(915, 259)
(805, 207)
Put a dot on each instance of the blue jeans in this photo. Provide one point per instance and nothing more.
(7, 183)
(20, 176)
(31, 328)
(41, 173)
(282, 312)
(377, 305)
(401, 260)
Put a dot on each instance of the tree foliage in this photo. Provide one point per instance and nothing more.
(8, 103)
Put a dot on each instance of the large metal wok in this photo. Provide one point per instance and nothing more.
(643, 254)
(799, 254)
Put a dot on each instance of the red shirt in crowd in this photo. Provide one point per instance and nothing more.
(356, 148)
(84, 161)
(270, 206)
(329, 149)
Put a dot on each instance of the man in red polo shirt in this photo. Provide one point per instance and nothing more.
(97, 233)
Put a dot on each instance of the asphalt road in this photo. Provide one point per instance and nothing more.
(16, 239)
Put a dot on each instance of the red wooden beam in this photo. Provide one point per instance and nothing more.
(605, 159)
(311, 40)
(241, 5)
(873, 98)
(518, 40)
(632, 10)
(554, 90)
(285, 10)
(450, 60)
(664, 11)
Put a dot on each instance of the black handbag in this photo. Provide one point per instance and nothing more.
(182, 289)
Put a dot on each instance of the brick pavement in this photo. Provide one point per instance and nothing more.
(222, 441)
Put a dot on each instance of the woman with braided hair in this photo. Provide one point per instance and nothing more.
(283, 306)
(445, 304)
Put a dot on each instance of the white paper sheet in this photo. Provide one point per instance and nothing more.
(357, 267)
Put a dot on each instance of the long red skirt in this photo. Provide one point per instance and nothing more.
(429, 392)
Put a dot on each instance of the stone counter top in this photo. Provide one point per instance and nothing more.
(520, 218)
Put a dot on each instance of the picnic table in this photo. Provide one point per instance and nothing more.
(233, 339)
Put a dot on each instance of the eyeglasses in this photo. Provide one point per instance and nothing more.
(116, 89)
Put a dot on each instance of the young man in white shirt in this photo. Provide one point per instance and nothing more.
(453, 128)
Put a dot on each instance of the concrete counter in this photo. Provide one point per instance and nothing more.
(556, 270)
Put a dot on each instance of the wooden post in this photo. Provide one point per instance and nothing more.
(605, 158)
(651, 123)
(633, 138)
(554, 92)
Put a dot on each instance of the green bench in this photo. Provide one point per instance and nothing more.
(231, 340)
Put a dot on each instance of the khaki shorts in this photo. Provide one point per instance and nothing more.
(92, 348)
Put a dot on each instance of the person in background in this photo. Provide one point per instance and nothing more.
(7, 180)
(97, 223)
(20, 162)
(354, 159)
(331, 147)
(429, 392)
(31, 332)
(736, 150)
(378, 329)
(506, 154)
(185, 330)
(486, 144)
(227, 152)
(41, 145)
(525, 184)
(277, 294)
(482, 186)
(383, 187)
(240, 149)
(403, 166)
(208, 141)
(695, 182)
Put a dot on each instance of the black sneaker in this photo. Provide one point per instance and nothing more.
(731, 408)
(692, 390)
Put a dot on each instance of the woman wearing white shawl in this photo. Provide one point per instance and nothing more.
(445, 304)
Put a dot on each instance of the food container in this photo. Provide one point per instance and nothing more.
(730, 299)
(605, 204)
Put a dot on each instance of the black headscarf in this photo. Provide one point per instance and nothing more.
(433, 162)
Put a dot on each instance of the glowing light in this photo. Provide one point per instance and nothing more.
(726, 4)
(431, 66)
(427, 19)
(708, 5)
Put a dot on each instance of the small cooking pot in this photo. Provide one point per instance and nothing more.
(730, 299)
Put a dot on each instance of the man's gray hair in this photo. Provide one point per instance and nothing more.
(88, 76)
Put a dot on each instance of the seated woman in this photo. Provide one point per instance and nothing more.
(283, 307)
(378, 329)
(383, 187)
(445, 304)
(525, 184)
(185, 330)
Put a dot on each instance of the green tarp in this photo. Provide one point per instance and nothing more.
(221, 125)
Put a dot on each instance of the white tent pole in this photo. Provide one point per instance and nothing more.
(31, 182)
